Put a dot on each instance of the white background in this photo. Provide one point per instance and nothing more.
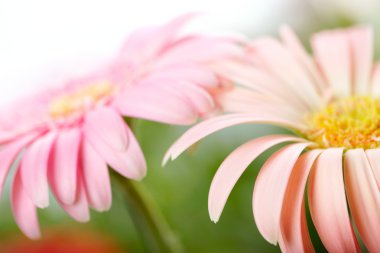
(43, 40)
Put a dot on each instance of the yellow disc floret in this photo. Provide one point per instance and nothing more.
(352, 122)
(78, 101)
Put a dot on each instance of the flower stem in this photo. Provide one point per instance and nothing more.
(150, 223)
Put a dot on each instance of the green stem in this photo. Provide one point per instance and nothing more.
(156, 233)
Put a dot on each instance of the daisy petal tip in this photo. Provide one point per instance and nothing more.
(167, 158)
(42, 204)
(36, 235)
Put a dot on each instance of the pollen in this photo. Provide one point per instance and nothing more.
(77, 102)
(352, 122)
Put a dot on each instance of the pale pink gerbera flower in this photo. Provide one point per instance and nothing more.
(67, 136)
(331, 103)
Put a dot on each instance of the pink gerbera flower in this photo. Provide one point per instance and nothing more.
(67, 136)
(331, 102)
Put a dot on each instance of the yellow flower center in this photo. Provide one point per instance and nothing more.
(352, 122)
(77, 102)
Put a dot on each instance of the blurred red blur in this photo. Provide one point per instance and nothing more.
(62, 241)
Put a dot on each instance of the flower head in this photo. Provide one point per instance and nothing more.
(330, 100)
(67, 137)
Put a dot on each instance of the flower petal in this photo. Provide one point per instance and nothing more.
(9, 153)
(363, 197)
(198, 49)
(374, 159)
(249, 76)
(146, 43)
(24, 211)
(282, 64)
(79, 209)
(294, 233)
(108, 125)
(193, 73)
(233, 167)
(152, 101)
(375, 81)
(130, 163)
(332, 52)
(270, 187)
(242, 100)
(327, 202)
(63, 175)
(212, 125)
(292, 42)
(361, 40)
(96, 178)
(33, 170)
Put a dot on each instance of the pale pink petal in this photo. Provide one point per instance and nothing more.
(283, 65)
(291, 40)
(363, 197)
(197, 97)
(154, 102)
(63, 173)
(193, 73)
(96, 178)
(361, 41)
(374, 159)
(79, 209)
(130, 163)
(108, 125)
(8, 155)
(212, 125)
(233, 167)
(198, 49)
(332, 52)
(247, 75)
(147, 43)
(270, 187)
(294, 233)
(242, 100)
(24, 211)
(327, 202)
(375, 81)
(34, 169)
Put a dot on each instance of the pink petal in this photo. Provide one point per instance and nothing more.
(361, 40)
(247, 75)
(193, 73)
(198, 49)
(332, 52)
(270, 187)
(147, 43)
(64, 170)
(108, 125)
(9, 153)
(292, 42)
(233, 167)
(294, 233)
(212, 125)
(327, 202)
(157, 103)
(79, 209)
(373, 156)
(33, 170)
(130, 163)
(375, 81)
(242, 100)
(197, 97)
(96, 178)
(282, 64)
(24, 211)
(363, 197)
